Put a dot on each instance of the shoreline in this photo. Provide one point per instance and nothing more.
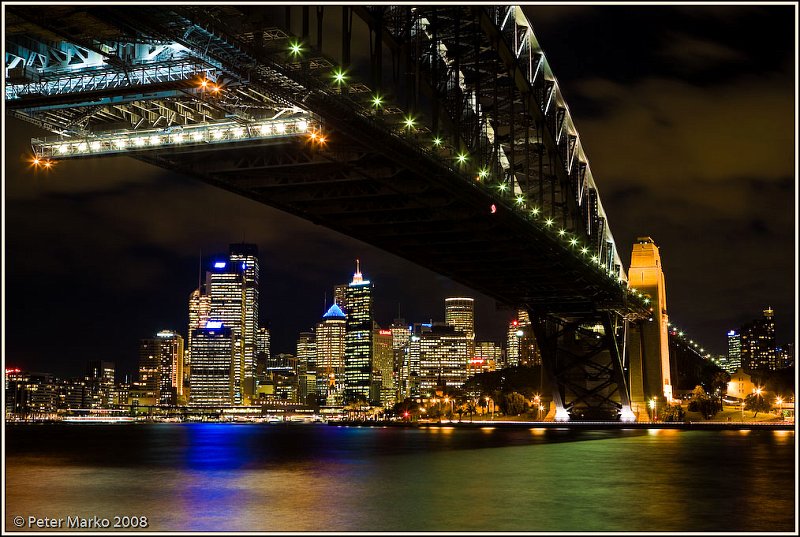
(578, 425)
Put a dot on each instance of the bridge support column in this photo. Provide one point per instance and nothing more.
(583, 365)
(648, 339)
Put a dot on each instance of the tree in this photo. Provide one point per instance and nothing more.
(673, 413)
(702, 403)
(514, 404)
(471, 409)
(757, 403)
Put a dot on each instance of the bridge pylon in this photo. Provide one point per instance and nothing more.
(583, 365)
(648, 339)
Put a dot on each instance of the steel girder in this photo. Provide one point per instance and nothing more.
(584, 364)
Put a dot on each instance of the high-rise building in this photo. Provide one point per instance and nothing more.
(401, 335)
(101, 371)
(246, 255)
(340, 295)
(758, 343)
(149, 360)
(263, 350)
(330, 357)
(442, 359)
(170, 367)
(459, 312)
(307, 365)
(226, 284)
(199, 312)
(734, 351)
(520, 344)
(487, 357)
(383, 378)
(213, 365)
(161, 363)
(358, 338)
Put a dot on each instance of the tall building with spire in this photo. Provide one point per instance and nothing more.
(358, 338)
(330, 357)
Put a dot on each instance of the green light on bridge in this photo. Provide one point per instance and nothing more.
(339, 76)
(295, 48)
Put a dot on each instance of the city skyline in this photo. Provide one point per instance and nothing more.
(109, 248)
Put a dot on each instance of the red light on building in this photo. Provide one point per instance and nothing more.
(10, 371)
(514, 322)
(385, 332)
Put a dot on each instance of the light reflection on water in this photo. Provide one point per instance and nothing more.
(304, 478)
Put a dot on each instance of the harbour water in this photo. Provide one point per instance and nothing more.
(266, 477)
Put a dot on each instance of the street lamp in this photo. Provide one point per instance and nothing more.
(779, 403)
(652, 405)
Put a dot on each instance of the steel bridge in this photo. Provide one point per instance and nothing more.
(437, 133)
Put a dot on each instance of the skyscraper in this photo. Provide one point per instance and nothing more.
(358, 338)
(442, 359)
(487, 357)
(213, 365)
(330, 356)
(199, 311)
(246, 255)
(161, 367)
(520, 344)
(226, 284)
(758, 343)
(383, 378)
(263, 350)
(307, 365)
(170, 367)
(401, 335)
(734, 351)
(459, 312)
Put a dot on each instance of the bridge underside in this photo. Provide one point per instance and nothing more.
(475, 171)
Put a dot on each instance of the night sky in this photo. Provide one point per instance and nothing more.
(685, 112)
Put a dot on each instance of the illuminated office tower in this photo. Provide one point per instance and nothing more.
(213, 365)
(442, 359)
(459, 312)
(307, 365)
(358, 338)
(520, 349)
(149, 359)
(401, 335)
(263, 349)
(226, 285)
(246, 256)
(383, 379)
(170, 367)
(487, 357)
(734, 351)
(161, 367)
(758, 343)
(340, 295)
(330, 357)
(199, 311)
